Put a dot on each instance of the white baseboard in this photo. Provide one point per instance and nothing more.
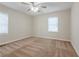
(62, 39)
(34, 36)
(16, 40)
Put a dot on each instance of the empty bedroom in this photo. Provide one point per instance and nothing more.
(39, 29)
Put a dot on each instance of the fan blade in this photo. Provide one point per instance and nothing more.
(32, 2)
(28, 9)
(25, 3)
(39, 11)
(43, 6)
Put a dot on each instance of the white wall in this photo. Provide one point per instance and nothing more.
(22, 25)
(40, 25)
(75, 26)
(19, 25)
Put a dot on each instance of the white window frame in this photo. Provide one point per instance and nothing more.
(50, 28)
(5, 24)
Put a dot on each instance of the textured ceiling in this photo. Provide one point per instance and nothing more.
(51, 7)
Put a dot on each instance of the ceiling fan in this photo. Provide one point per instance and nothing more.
(34, 6)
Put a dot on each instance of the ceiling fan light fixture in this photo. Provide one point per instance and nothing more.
(34, 9)
(34, 6)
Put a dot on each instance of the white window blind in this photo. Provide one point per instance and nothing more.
(3, 23)
(53, 24)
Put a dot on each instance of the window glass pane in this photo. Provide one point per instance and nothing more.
(3, 23)
(53, 24)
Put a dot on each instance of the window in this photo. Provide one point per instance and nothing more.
(53, 24)
(3, 23)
